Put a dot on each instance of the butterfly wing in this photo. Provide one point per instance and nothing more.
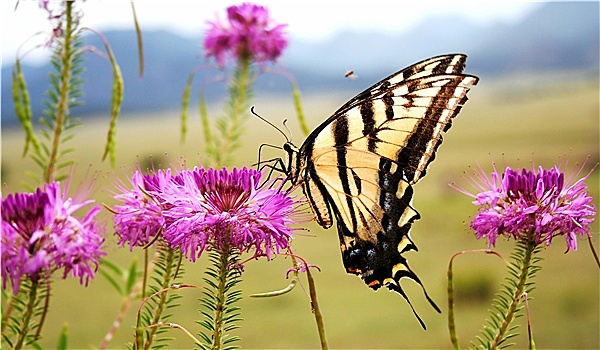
(361, 164)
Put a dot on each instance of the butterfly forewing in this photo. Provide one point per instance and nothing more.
(447, 64)
(360, 164)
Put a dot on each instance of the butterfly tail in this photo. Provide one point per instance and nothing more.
(396, 288)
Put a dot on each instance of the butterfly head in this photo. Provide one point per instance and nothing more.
(293, 161)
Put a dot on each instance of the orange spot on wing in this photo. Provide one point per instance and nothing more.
(374, 284)
(354, 271)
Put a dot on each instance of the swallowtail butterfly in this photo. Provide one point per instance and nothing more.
(360, 165)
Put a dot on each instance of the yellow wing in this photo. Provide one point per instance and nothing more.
(361, 164)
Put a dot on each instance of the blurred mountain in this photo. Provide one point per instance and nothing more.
(556, 37)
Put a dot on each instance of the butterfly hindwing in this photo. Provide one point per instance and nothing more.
(360, 164)
(373, 214)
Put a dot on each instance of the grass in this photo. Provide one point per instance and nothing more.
(539, 125)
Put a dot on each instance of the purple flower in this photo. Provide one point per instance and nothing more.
(218, 209)
(201, 209)
(40, 235)
(139, 219)
(248, 34)
(525, 205)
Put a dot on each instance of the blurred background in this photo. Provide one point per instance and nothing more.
(537, 102)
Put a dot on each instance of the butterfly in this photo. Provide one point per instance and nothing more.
(360, 165)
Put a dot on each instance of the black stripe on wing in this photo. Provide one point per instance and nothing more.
(418, 144)
(340, 135)
(380, 262)
(419, 149)
(452, 64)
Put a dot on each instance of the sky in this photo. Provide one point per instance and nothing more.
(307, 19)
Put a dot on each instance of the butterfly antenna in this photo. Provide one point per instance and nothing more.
(288, 129)
(268, 122)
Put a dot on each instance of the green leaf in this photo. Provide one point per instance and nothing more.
(132, 276)
(62, 338)
(107, 264)
(112, 281)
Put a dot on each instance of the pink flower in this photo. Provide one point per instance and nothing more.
(201, 209)
(139, 218)
(222, 210)
(41, 234)
(249, 34)
(532, 205)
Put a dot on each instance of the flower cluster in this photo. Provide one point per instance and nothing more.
(200, 209)
(249, 34)
(40, 235)
(532, 205)
(139, 219)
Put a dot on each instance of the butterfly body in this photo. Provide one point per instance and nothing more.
(360, 164)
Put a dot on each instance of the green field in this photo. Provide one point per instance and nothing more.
(540, 123)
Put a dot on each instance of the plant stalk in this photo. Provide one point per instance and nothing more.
(218, 320)
(316, 309)
(238, 95)
(516, 297)
(46, 308)
(27, 316)
(125, 305)
(63, 103)
(168, 277)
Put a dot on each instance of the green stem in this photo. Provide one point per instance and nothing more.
(316, 310)
(208, 138)
(139, 339)
(529, 331)
(23, 108)
(125, 304)
(146, 269)
(218, 320)
(185, 102)
(299, 112)
(591, 243)
(46, 307)
(516, 297)
(27, 316)
(450, 291)
(140, 44)
(238, 96)
(160, 305)
(63, 103)
(163, 297)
